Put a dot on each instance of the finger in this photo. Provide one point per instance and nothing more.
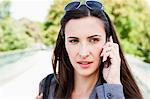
(108, 44)
(110, 39)
(110, 47)
(109, 52)
(114, 46)
(113, 53)
(106, 49)
(105, 56)
(105, 53)
(40, 96)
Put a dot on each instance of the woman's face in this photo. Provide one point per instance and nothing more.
(84, 39)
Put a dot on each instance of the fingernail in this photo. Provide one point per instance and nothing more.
(103, 59)
(101, 54)
(111, 40)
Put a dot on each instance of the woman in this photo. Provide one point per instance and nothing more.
(88, 62)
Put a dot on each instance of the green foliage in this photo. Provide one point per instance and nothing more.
(18, 34)
(52, 24)
(132, 21)
(9, 39)
(130, 17)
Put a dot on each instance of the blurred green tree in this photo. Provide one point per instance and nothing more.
(11, 35)
(131, 18)
(52, 24)
(132, 21)
(16, 34)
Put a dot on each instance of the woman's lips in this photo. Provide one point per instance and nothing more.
(84, 64)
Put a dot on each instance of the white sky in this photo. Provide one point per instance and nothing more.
(35, 10)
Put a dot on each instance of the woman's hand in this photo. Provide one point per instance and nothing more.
(111, 73)
(39, 96)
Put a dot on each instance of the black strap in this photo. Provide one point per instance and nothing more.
(47, 86)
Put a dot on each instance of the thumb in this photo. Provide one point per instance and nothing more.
(40, 96)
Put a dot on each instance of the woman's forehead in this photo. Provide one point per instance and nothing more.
(85, 20)
(84, 26)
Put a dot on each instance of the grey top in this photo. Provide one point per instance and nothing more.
(100, 91)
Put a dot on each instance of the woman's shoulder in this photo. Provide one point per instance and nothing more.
(47, 86)
(49, 80)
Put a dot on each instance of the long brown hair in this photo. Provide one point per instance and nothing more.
(63, 68)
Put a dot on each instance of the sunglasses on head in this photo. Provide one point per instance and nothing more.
(92, 5)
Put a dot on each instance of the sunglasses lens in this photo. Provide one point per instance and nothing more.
(72, 6)
(94, 5)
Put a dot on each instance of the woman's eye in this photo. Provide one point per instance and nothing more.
(73, 41)
(94, 40)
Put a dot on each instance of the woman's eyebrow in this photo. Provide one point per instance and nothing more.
(71, 37)
(94, 36)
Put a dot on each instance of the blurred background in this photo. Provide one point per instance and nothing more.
(28, 31)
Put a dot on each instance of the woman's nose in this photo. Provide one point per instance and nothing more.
(83, 51)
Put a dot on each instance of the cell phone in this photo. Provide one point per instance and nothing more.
(107, 62)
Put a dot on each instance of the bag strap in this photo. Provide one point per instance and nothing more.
(47, 84)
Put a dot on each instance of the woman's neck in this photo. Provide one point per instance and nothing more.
(84, 85)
